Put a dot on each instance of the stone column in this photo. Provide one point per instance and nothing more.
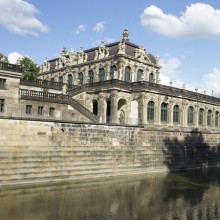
(184, 113)
(114, 107)
(205, 116)
(170, 112)
(142, 109)
(102, 107)
(128, 111)
(158, 109)
(85, 75)
(96, 73)
(196, 115)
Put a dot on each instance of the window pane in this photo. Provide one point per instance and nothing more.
(150, 111)
(176, 114)
(216, 119)
(28, 109)
(164, 112)
(190, 118)
(127, 74)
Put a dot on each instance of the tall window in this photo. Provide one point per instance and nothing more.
(69, 80)
(201, 116)
(164, 112)
(176, 114)
(127, 73)
(61, 79)
(151, 77)
(216, 119)
(28, 109)
(51, 111)
(101, 74)
(80, 78)
(40, 110)
(190, 118)
(91, 77)
(112, 72)
(2, 83)
(150, 111)
(2, 105)
(209, 118)
(139, 75)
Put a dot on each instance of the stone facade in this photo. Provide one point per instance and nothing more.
(101, 112)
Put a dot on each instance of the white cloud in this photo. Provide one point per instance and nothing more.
(13, 57)
(198, 20)
(99, 27)
(81, 28)
(211, 81)
(109, 40)
(170, 66)
(18, 16)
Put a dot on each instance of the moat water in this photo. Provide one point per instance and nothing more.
(191, 195)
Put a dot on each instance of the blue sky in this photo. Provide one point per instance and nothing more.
(184, 34)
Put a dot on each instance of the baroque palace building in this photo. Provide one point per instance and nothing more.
(117, 83)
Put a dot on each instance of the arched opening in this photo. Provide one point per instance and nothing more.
(176, 114)
(209, 118)
(150, 111)
(69, 80)
(139, 75)
(151, 77)
(128, 74)
(164, 112)
(90, 77)
(101, 74)
(108, 112)
(121, 110)
(190, 116)
(94, 107)
(216, 119)
(80, 78)
(113, 73)
(201, 116)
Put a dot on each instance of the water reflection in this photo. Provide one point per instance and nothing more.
(184, 196)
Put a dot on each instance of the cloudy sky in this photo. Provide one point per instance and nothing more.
(184, 34)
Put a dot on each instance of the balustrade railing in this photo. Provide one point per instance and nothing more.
(42, 83)
(57, 98)
(10, 67)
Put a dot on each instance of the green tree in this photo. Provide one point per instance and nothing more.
(29, 67)
(3, 58)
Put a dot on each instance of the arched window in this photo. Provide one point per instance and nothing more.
(80, 78)
(101, 74)
(69, 80)
(128, 74)
(139, 75)
(151, 77)
(61, 79)
(112, 72)
(190, 118)
(176, 114)
(90, 77)
(209, 118)
(216, 119)
(164, 112)
(201, 116)
(150, 111)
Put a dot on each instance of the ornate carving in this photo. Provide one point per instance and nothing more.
(121, 47)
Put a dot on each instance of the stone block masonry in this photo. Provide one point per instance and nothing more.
(33, 152)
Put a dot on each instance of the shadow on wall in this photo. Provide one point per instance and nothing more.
(192, 152)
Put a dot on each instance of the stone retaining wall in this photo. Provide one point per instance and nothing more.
(35, 151)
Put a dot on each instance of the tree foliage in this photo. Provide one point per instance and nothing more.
(29, 67)
(3, 58)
